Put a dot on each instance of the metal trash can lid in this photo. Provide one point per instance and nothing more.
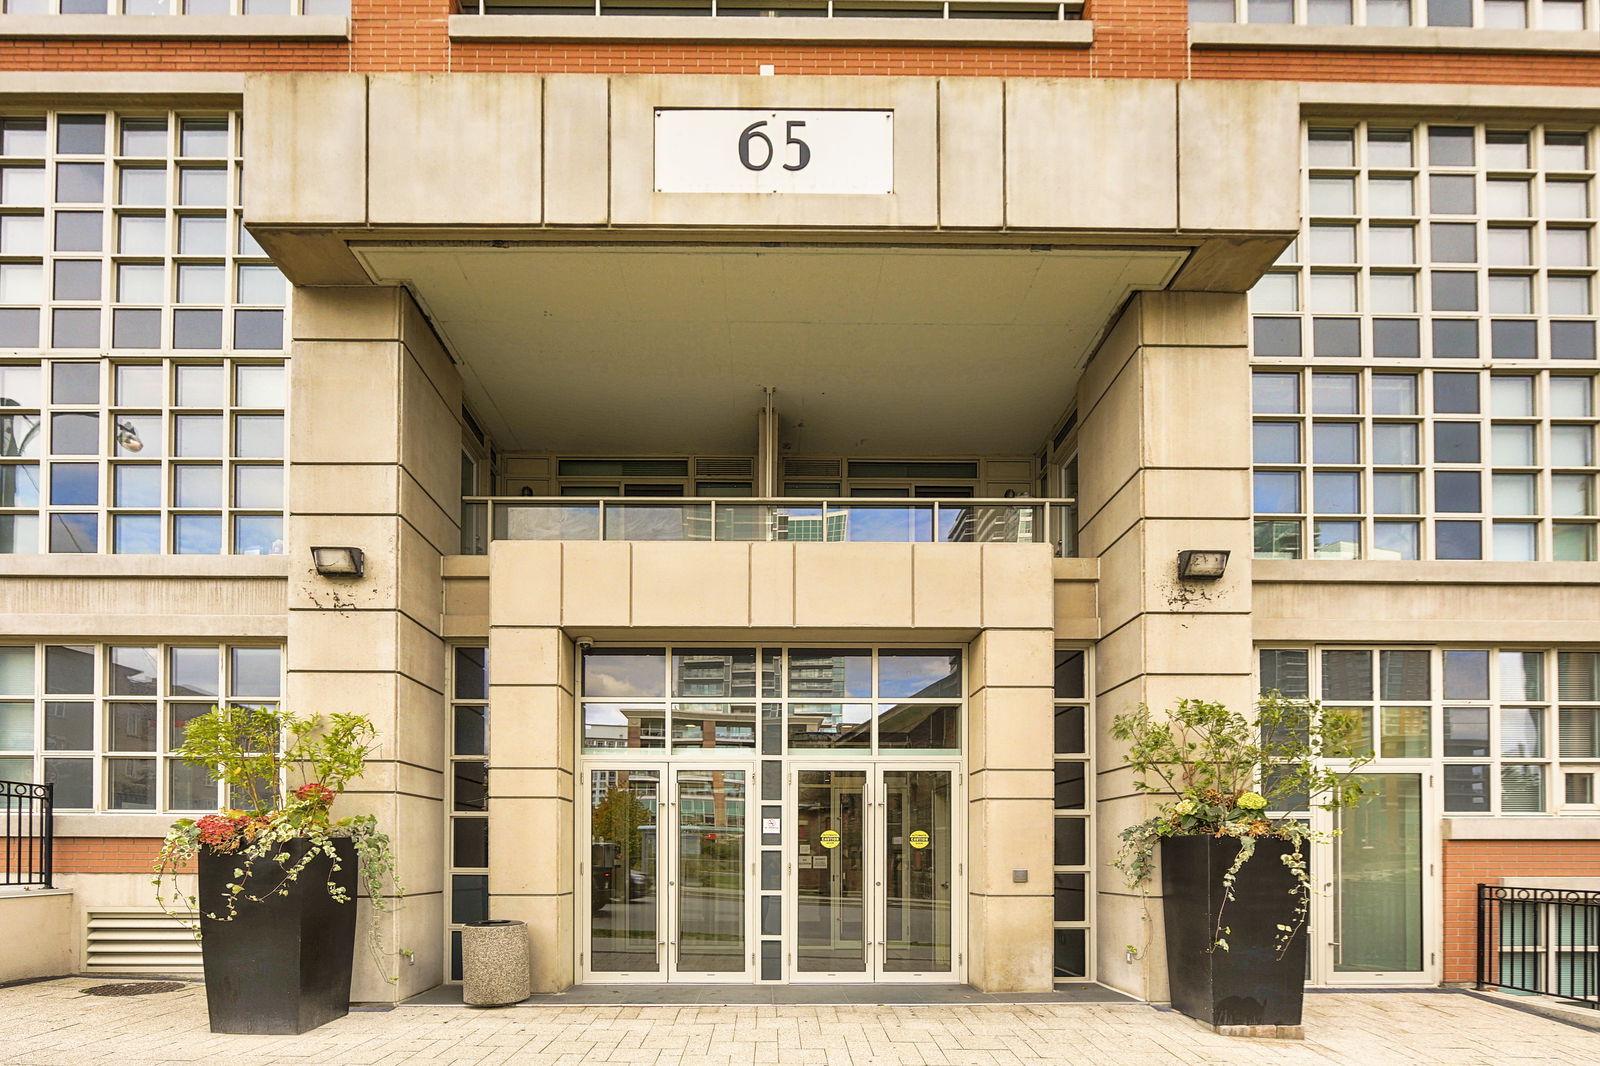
(494, 921)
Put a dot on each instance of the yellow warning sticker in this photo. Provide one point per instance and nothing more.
(829, 838)
(919, 839)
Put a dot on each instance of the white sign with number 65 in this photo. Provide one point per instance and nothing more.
(750, 150)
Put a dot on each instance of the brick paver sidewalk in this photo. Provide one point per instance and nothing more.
(52, 1024)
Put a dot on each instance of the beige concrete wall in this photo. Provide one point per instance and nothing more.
(1072, 156)
(139, 596)
(1164, 411)
(38, 931)
(373, 465)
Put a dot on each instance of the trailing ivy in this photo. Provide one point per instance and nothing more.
(255, 752)
(1245, 778)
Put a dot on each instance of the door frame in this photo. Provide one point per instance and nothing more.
(666, 890)
(1322, 923)
(876, 902)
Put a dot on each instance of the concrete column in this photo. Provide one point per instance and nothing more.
(1010, 819)
(532, 753)
(1165, 443)
(374, 439)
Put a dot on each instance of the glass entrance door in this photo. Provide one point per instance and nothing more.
(874, 874)
(1376, 913)
(668, 875)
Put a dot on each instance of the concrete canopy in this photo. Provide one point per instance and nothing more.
(872, 350)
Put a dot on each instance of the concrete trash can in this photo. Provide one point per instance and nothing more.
(495, 968)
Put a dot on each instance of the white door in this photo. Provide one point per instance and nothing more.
(1375, 918)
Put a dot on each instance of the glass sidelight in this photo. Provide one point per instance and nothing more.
(918, 874)
(710, 875)
(830, 872)
(624, 914)
(1378, 869)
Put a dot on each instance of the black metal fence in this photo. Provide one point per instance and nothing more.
(1544, 940)
(27, 834)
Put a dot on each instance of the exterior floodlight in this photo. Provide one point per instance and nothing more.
(1198, 565)
(339, 562)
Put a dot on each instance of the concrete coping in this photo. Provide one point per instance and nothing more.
(30, 892)
(114, 824)
(1423, 571)
(1069, 33)
(1391, 38)
(202, 27)
(145, 566)
(1491, 827)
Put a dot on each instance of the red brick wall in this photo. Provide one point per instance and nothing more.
(1469, 863)
(105, 855)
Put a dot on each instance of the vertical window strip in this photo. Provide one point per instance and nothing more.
(467, 813)
(1072, 874)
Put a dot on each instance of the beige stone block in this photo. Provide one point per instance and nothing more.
(378, 538)
(327, 427)
(421, 591)
(540, 656)
(1163, 539)
(1017, 834)
(686, 585)
(1010, 728)
(430, 136)
(303, 135)
(851, 586)
(1106, 362)
(1091, 154)
(439, 521)
(528, 573)
(550, 935)
(1163, 691)
(421, 652)
(577, 149)
(40, 933)
(430, 435)
(1019, 944)
(1018, 586)
(596, 579)
(1240, 146)
(972, 189)
(523, 829)
(1198, 644)
(1014, 657)
(413, 925)
(1180, 383)
(1122, 567)
(347, 312)
(351, 641)
(376, 695)
(1119, 656)
(420, 724)
(466, 608)
(1010, 785)
(772, 584)
(1169, 493)
(1112, 430)
(426, 347)
(1114, 517)
(1122, 920)
(947, 586)
(1192, 319)
(1077, 610)
(533, 726)
(517, 783)
(342, 489)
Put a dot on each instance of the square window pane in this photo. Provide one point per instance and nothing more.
(1274, 393)
(1396, 540)
(144, 136)
(192, 788)
(1506, 149)
(1511, 294)
(1333, 244)
(1568, 295)
(1337, 394)
(1333, 292)
(1388, 148)
(1333, 196)
(258, 535)
(1458, 540)
(197, 486)
(1455, 338)
(1337, 492)
(1456, 442)
(1466, 675)
(204, 137)
(1511, 396)
(1453, 194)
(196, 329)
(1522, 788)
(75, 434)
(193, 672)
(1510, 246)
(258, 436)
(257, 672)
(1336, 338)
(1395, 493)
(203, 187)
(1276, 492)
(198, 435)
(1513, 339)
(131, 784)
(1398, 338)
(1457, 491)
(1572, 445)
(1394, 443)
(74, 484)
(1466, 732)
(197, 534)
(1566, 199)
(202, 235)
(19, 485)
(1337, 540)
(80, 183)
(68, 726)
(79, 231)
(132, 328)
(143, 187)
(1454, 242)
(1394, 394)
(1566, 247)
(1515, 541)
(141, 385)
(1336, 442)
(1391, 197)
(259, 385)
(200, 283)
(1521, 675)
(260, 284)
(21, 235)
(75, 327)
(1450, 146)
(141, 235)
(1331, 148)
(1275, 292)
(1276, 442)
(258, 330)
(141, 283)
(1347, 675)
(1404, 732)
(1455, 393)
(74, 781)
(1571, 397)
(1275, 337)
(1507, 198)
(130, 726)
(1572, 340)
(74, 534)
(1515, 494)
(1393, 294)
(1572, 494)
(1454, 290)
(1391, 245)
(1277, 540)
(1574, 542)
(136, 534)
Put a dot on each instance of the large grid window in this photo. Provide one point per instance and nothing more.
(468, 860)
(1431, 253)
(1072, 873)
(142, 457)
(100, 722)
(123, 230)
(1488, 14)
(1509, 730)
(177, 7)
(860, 701)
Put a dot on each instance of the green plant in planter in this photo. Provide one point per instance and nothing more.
(1242, 777)
(255, 751)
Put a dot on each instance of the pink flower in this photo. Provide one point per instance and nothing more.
(314, 792)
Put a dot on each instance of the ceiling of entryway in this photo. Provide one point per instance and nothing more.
(872, 350)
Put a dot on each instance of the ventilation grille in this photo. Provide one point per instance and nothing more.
(139, 942)
(811, 467)
(725, 468)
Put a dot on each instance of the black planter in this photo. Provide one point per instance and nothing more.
(1248, 984)
(282, 967)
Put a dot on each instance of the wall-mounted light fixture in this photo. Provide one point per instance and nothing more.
(1202, 565)
(339, 562)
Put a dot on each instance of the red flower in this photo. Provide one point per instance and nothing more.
(218, 830)
(314, 793)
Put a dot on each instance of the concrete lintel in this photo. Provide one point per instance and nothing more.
(1390, 38)
(231, 567)
(1420, 572)
(194, 27)
(121, 86)
(1491, 828)
(1077, 33)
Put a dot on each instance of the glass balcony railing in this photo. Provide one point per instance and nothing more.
(894, 521)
